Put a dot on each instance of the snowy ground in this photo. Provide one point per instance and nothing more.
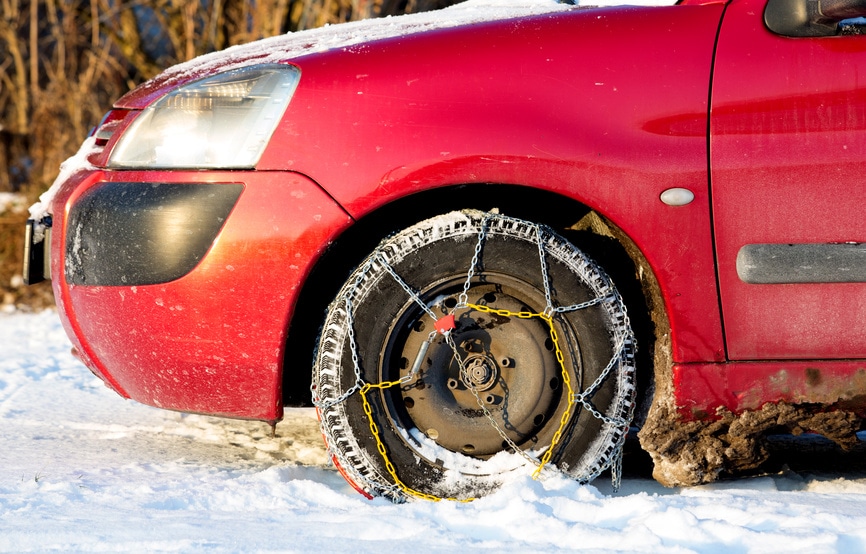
(83, 470)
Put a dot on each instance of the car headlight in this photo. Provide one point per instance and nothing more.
(223, 121)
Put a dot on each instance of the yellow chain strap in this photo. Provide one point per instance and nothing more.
(381, 447)
(560, 358)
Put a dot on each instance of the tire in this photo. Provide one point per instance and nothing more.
(435, 434)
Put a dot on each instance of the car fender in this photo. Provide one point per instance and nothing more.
(605, 106)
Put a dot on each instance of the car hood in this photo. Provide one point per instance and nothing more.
(283, 48)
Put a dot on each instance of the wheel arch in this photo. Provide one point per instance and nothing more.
(592, 233)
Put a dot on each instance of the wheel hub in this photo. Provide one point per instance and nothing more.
(502, 368)
(481, 373)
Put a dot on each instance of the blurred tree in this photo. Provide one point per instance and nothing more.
(63, 62)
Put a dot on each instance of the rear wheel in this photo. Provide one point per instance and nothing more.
(540, 341)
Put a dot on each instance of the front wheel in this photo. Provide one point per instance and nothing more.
(537, 361)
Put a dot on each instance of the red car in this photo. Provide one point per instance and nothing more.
(492, 238)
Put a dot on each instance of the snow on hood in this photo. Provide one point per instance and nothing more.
(293, 45)
(331, 37)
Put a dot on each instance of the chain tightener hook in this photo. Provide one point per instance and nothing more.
(444, 326)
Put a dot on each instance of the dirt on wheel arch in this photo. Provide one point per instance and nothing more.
(698, 452)
(687, 453)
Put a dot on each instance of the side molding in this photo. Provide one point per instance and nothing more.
(802, 263)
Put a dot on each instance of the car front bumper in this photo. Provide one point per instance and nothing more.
(208, 338)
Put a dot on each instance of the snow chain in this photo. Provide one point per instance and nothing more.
(445, 325)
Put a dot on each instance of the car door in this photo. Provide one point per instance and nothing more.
(788, 178)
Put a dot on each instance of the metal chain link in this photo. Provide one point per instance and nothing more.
(380, 446)
(350, 325)
(616, 468)
(545, 278)
(583, 398)
(484, 409)
(412, 294)
(463, 302)
(476, 256)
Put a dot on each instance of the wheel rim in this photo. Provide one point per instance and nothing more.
(377, 326)
(509, 364)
